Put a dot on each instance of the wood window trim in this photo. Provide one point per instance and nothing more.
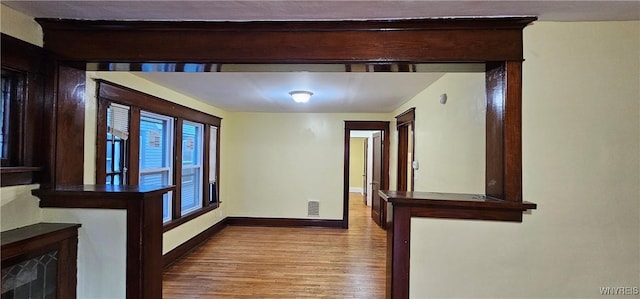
(109, 92)
(25, 163)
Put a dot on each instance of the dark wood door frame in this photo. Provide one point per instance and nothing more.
(405, 123)
(365, 183)
(496, 42)
(349, 126)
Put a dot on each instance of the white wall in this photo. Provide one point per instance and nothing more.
(20, 26)
(282, 160)
(581, 165)
(449, 138)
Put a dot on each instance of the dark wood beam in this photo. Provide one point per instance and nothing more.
(420, 40)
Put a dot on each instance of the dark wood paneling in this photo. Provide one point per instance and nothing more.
(69, 142)
(283, 222)
(134, 146)
(437, 40)
(101, 146)
(185, 248)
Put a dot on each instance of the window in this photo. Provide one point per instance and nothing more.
(191, 167)
(156, 151)
(153, 141)
(11, 117)
(23, 139)
(117, 135)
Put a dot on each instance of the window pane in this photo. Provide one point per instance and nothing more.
(156, 153)
(109, 154)
(4, 105)
(166, 207)
(152, 178)
(191, 139)
(191, 193)
(116, 155)
(153, 143)
(191, 186)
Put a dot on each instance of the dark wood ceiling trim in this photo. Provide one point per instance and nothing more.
(421, 40)
(288, 26)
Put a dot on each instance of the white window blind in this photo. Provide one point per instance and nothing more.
(118, 120)
(213, 139)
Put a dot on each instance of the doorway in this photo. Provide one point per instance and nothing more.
(382, 129)
(406, 148)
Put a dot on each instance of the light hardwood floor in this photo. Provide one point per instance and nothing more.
(266, 262)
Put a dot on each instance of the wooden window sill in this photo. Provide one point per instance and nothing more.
(169, 225)
(18, 175)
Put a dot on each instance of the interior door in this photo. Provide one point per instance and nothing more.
(376, 204)
(365, 179)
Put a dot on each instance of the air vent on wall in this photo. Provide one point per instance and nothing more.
(313, 208)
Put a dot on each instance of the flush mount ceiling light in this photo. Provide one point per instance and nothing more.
(301, 96)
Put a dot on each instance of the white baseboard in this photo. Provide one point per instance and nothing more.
(356, 190)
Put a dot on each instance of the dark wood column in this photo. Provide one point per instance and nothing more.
(144, 226)
(398, 237)
(406, 205)
(503, 177)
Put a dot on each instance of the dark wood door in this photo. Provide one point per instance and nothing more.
(376, 204)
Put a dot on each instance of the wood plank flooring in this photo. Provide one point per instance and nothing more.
(267, 262)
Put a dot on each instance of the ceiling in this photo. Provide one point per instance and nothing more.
(548, 10)
(333, 92)
(269, 92)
